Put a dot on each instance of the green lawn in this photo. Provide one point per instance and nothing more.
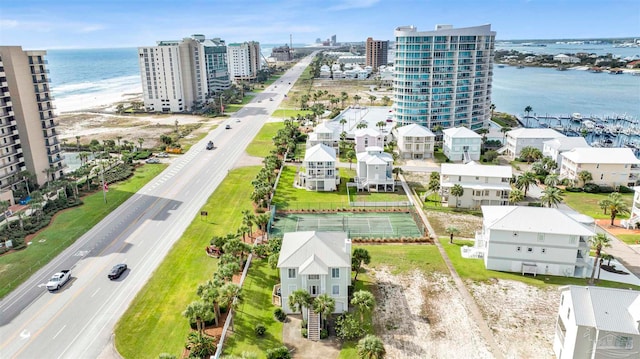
(474, 269)
(68, 226)
(587, 203)
(289, 112)
(349, 350)
(232, 107)
(256, 307)
(154, 319)
(439, 156)
(629, 238)
(289, 197)
(403, 259)
(263, 142)
(363, 196)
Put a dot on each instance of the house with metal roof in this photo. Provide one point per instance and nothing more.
(367, 137)
(482, 185)
(596, 322)
(318, 171)
(318, 262)
(528, 137)
(534, 240)
(414, 141)
(461, 144)
(374, 170)
(553, 148)
(326, 134)
(608, 166)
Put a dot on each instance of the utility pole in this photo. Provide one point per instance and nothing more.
(104, 184)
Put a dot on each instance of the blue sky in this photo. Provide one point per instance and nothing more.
(51, 24)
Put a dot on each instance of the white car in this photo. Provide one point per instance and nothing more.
(58, 280)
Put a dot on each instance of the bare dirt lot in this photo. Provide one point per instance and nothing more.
(422, 316)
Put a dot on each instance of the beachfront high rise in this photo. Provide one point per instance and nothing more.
(177, 74)
(244, 60)
(443, 77)
(376, 53)
(28, 137)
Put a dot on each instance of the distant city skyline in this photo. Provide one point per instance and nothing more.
(44, 24)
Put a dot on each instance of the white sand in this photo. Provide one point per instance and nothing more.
(97, 101)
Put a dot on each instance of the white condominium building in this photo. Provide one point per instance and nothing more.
(177, 74)
(28, 136)
(443, 77)
(244, 60)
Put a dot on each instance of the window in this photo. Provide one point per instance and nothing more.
(292, 272)
(335, 272)
(529, 249)
(314, 276)
(540, 237)
(518, 249)
(335, 290)
(543, 250)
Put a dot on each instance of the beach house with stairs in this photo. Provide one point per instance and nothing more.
(318, 262)
(374, 170)
(483, 185)
(461, 144)
(325, 134)
(414, 141)
(367, 137)
(318, 171)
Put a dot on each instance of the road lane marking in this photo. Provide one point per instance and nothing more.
(94, 293)
(59, 331)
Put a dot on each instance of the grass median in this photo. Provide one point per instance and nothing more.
(154, 324)
(262, 144)
(66, 227)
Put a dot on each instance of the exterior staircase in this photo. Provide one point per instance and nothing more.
(313, 326)
(467, 158)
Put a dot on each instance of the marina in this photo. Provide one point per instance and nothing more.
(607, 131)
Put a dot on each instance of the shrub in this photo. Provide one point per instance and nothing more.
(535, 204)
(303, 324)
(573, 189)
(278, 353)
(606, 189)
(625, 189)
(591, 188)
(279, 314)
(260, 329)
(304, 332)
(324, 334)
(348, 327)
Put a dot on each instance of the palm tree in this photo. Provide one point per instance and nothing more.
(364, 301)
(451, 230)
(525, 181)
(552, 180)
(528, 110)
(371, 347)
(585, 176)
(298, 300)
(504, 131)
(140, 142)
(351, 155)
(228, 293)
(380, 125)
(457, 191)
(398, 171)
(598, 242)
(359, 257)
(362, 125)
(616, 205)
(604, 257)
(483, 132)
(372, 98)
(385, 100)
(78, 143)
(551, 196)
(325, 305)
(248, 219)
(516, 196)
(492, 107)
(356, 98)
(343, 121)
(209, 292)
(196, 311)
(343, 97)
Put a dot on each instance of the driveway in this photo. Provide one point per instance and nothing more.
(307, 349)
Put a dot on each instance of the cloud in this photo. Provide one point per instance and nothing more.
(6, 23)
(353, 4)
(91, 28)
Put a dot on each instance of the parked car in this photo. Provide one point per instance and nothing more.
(117, 271)
(58, 280)
(227, 127)
(162, 155)
(210, 145)
(152, 160)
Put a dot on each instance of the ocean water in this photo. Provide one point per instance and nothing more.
(555, 49)
(94, 73)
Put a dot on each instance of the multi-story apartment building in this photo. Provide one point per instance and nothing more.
(28, 137)
(282, 53)
(244, 60)
(376, 53)
(608, 166)
(534, 240)
(177, 74)
(482, 185)
(443, 77)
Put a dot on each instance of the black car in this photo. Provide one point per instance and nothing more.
(210, 145)
(117, 271)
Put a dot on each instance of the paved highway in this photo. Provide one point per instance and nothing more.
(78, 320)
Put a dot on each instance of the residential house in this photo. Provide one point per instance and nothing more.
(368, 137)
(414, 141)
(318, 171)
(374, 170)
(318, 262)
(325, 134)
(634, 218)
(529, 137)
(597, 322)
(534, 240)
(483, 185)
(566, 59)
(608, 166)
(553, 148)
(461, 144)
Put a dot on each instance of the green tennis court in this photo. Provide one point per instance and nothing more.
(384, 225)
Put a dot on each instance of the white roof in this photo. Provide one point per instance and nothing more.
(602, 155)
(532, 219)
(461, 132)
(314, 251)
(534, 133)
(367, 131)
(320, 153)
(374, 155)
(566, 143)
(323, 128)
(414, 130)
(475, 169)
(607, 309)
